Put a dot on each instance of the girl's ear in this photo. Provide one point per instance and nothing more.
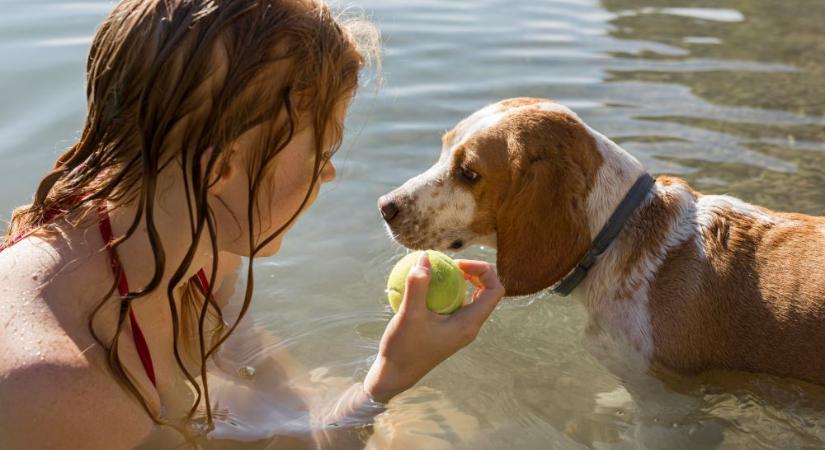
(224, 167)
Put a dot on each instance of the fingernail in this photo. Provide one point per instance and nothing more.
(466, 275)
(423, 260)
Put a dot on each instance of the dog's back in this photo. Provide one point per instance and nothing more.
(747, 292)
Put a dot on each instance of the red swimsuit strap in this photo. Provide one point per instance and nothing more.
(123, 286)
(123, 289)
(117, 269)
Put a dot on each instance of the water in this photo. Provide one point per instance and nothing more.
(728, 94)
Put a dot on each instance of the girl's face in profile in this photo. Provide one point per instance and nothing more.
(282, 191)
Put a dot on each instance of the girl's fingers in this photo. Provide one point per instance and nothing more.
(473, 280)
(476, 313)
(489, 293)
(480, 272)
(415, 291)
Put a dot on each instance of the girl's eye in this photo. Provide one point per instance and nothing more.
(468, 175)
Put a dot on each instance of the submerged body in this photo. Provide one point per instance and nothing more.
(693, 282)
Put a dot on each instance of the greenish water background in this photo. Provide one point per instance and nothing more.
(729, 94)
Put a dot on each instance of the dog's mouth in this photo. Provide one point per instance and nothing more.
(405, 237)
(422, 238)
(418, 230)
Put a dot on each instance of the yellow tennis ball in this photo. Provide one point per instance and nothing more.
(447, 286)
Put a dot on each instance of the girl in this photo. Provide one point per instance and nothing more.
(210, 128)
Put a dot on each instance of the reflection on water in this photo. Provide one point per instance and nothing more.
(786, 33)
(786, 39)
(729, 94)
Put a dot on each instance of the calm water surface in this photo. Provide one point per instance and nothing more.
(729, 94)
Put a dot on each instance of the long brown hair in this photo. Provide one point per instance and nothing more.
(167, 81)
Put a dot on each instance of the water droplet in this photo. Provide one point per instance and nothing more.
(247, 372)
(199, 428)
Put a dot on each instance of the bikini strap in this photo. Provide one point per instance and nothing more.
(105, 225)
(204, 282)
(123, 288)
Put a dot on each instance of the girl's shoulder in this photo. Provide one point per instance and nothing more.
(54, 384)
(52, 397)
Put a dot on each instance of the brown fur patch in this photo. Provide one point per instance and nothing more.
(648, 230)
(754, 302)
(519, 102)
(541, 167)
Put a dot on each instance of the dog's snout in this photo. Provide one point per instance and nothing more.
(389, 208)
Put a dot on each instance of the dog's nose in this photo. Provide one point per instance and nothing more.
(389, 209)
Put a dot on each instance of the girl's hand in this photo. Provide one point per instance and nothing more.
(416, 339)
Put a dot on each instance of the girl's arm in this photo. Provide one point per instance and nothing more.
(273, 395)
(414, 342)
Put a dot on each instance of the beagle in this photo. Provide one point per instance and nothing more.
(684, 281)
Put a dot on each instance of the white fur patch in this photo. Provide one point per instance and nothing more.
(450, 206)
(709, 206)
(483, 119)
(625, 322)
(442, 207)
(616, 176)
(554, 107)
(445, 206)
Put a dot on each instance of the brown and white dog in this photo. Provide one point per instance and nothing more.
(693, 282)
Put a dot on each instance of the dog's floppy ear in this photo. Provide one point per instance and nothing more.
(542, 230)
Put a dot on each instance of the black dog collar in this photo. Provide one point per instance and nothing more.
(611, 229)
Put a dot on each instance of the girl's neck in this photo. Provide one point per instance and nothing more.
(82, 273)
(136, 254)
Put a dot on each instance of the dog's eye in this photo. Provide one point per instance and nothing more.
(468, 175)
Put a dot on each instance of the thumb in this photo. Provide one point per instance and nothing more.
(417, 285)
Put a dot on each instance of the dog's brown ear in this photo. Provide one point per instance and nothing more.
(542, 230)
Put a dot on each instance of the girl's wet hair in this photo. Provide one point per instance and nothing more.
(168, 81)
